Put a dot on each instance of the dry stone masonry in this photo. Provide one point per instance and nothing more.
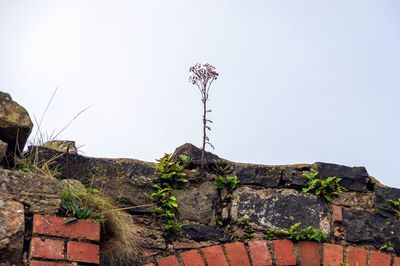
(220, 226)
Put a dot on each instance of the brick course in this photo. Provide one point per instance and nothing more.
(54, 226)
(45, 247)
(310, 254)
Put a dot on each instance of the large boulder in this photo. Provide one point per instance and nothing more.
(12, 226)
(15, 123)
(280, 209)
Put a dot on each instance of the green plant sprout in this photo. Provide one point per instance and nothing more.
(386, 246)
(222, 168)
(396, 204)
(326, 188)
(73, 208)
(308, 233)
(228, 181)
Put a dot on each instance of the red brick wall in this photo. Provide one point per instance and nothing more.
(55, 243)
(278, 252)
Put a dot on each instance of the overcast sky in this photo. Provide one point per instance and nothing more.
(300, 81)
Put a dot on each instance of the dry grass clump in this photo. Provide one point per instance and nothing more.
(118, 243)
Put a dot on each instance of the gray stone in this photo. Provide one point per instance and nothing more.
(194, 153)
(355, 200)
(382, 197)
(353, 178)
(15, 123)
(12, 226)
(198, 203)
(199, 232)
(262, 175)
(371, 229)
(41, 194)
(280, 209)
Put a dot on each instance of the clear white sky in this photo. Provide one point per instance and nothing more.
(300, 81)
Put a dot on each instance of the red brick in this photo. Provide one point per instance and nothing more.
(192, 258)
(54, 226)
(168, 261)
(47, 248)
(396, 261)
(337, 213)
(48, 263)
(260, 255)
(333, 254)
(309, 253)
(83, 252)
(237, 254)
(379, 259)
(356, 256)
(284, 252)
(214, 256)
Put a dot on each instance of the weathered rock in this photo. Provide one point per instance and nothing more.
(126, 180)
(41, 194)
(12, 226)
(262, 175)
(15, 123)
(198, 203)
(199, 232)
(355, 200)
(67, 146)
(280, 209)
(195, 155)
(371, 229)
(3, 150)
(353, 178)
(292, 176)
(383, 195)
(73, 185)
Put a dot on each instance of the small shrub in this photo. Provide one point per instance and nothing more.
(171, 176)
(326, 188)
(171, 173)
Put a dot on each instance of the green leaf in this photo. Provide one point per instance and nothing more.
(70, 219)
